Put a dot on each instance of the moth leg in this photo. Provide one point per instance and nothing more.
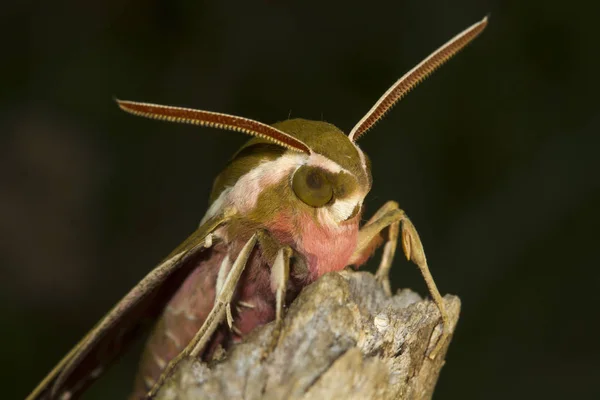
(280, 274)
(221, 310)
(369, 238)
(393, 217)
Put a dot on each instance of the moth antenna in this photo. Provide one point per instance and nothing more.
(214, 120)
(414, 76)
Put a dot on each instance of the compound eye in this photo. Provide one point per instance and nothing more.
(311, 186)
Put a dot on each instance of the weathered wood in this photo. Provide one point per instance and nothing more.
(342, 338)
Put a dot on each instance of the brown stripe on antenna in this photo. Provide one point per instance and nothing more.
(214, 120)
(414, 76)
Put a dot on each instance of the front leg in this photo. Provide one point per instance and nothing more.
(221, 310)
(280, 274)
(391, 216)
(370, 236)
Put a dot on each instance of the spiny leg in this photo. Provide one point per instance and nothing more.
(413, 249)
(280, 274)
(220, 311)
(222, 305)
(391, 216)
(370, 233)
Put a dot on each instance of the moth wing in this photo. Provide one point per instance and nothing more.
(101, 345)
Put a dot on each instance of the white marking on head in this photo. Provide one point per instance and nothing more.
(341, 209)
(250, 186)
(319, 160)
(363, 159)
(244, 195)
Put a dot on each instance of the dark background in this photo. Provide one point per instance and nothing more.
(495, 158)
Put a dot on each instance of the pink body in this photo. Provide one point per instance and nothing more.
(324, 248)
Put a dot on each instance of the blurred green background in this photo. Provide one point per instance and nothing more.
(495, 159)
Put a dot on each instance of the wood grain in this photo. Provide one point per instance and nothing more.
(342, 338)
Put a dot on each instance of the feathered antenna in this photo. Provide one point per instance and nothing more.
(214, 120)
(414, 76)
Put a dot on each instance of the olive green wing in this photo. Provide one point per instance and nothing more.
(103, 344)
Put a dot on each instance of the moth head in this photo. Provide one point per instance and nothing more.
(335, 178)
(327, 171)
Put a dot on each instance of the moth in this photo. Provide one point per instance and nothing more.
(286, 210)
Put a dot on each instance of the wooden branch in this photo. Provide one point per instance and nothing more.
(342, 338)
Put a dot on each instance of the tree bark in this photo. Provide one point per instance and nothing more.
(342, 338)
